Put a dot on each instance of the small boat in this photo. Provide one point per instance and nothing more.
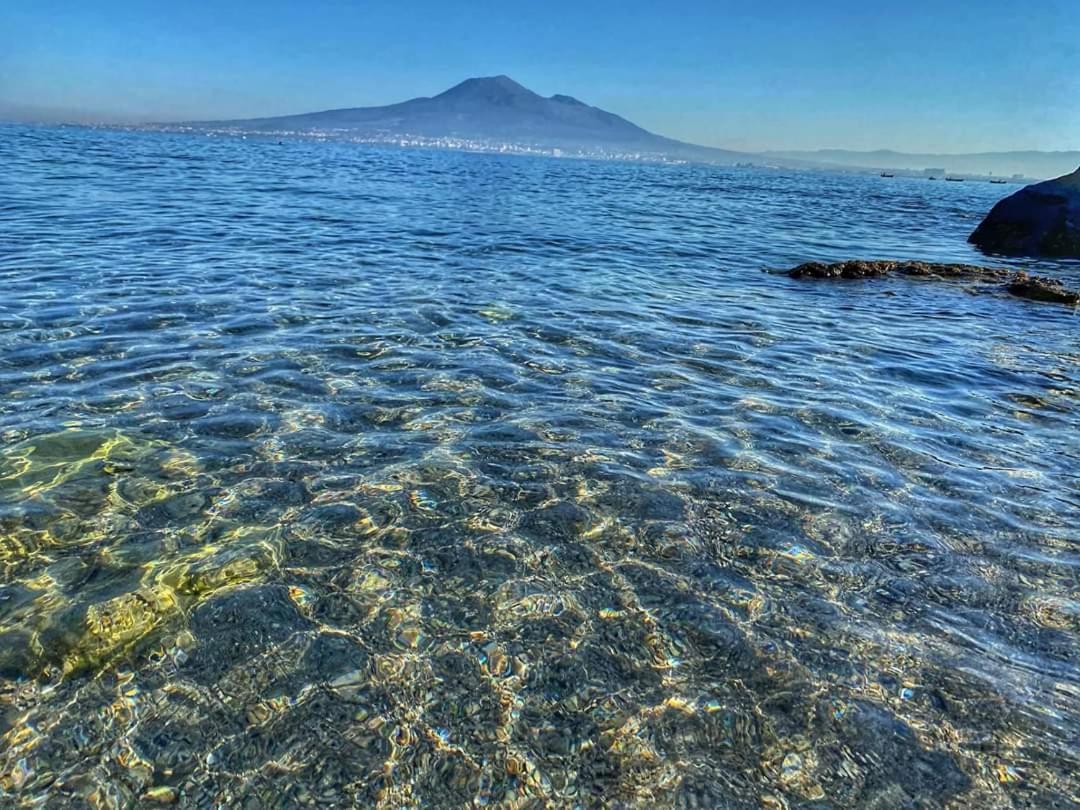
(886, 174)
(955, 179)
(931, 177)
(999, 182)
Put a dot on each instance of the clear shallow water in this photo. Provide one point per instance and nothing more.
(357, 476)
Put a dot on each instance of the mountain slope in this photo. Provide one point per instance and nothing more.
(494, 109)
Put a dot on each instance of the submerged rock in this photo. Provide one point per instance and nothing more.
(235, 626)
(1037, 288)
(86, 636)
(1039, 220)
(15, 654)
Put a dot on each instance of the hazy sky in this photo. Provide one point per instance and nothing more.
(947, 75)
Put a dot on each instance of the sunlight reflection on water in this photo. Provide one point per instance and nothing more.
(367, 476)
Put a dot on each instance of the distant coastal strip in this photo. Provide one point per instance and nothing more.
(1018, 283)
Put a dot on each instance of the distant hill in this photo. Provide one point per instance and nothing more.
(1030, 163)
(494, 109)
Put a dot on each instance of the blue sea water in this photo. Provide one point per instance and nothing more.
(365, 476)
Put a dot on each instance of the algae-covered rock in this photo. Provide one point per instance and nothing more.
(859, 268)
(82, 636)
(1036, 288)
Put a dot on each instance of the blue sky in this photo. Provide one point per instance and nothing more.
(917, 76)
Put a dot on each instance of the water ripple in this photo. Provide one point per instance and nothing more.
(352, 475)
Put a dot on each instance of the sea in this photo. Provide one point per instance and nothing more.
(343, 475)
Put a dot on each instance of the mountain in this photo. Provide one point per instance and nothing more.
(494, 109)
(1028, 164)
(497, 112)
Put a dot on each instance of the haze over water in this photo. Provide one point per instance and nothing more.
(339, 474)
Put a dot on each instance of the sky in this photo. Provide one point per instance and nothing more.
(916, 76)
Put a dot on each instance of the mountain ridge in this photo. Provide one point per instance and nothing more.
(492, 109)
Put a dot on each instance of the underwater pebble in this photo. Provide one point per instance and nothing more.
(161, 795)
(1008, 775)
(791, 767)
(21, 774)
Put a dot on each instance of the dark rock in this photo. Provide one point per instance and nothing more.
(876, 269)
(1040, 288)
(1036, 288)
(1040, 220)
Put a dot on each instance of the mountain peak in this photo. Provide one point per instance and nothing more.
(488, 88)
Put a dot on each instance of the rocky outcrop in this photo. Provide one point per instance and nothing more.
(1040, 288)
(875, 269)
(1040, 220)
(1018, 283)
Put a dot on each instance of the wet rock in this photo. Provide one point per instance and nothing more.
(1036, 288)
(323, 727)
(1041, 288)
(1039, 220)
(337, 610)
(133, 550)
(15, 597)
(74, 469)
(698, 791)
(69, 573)
(876, 269)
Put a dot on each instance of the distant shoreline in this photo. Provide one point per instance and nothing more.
(481, 146)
